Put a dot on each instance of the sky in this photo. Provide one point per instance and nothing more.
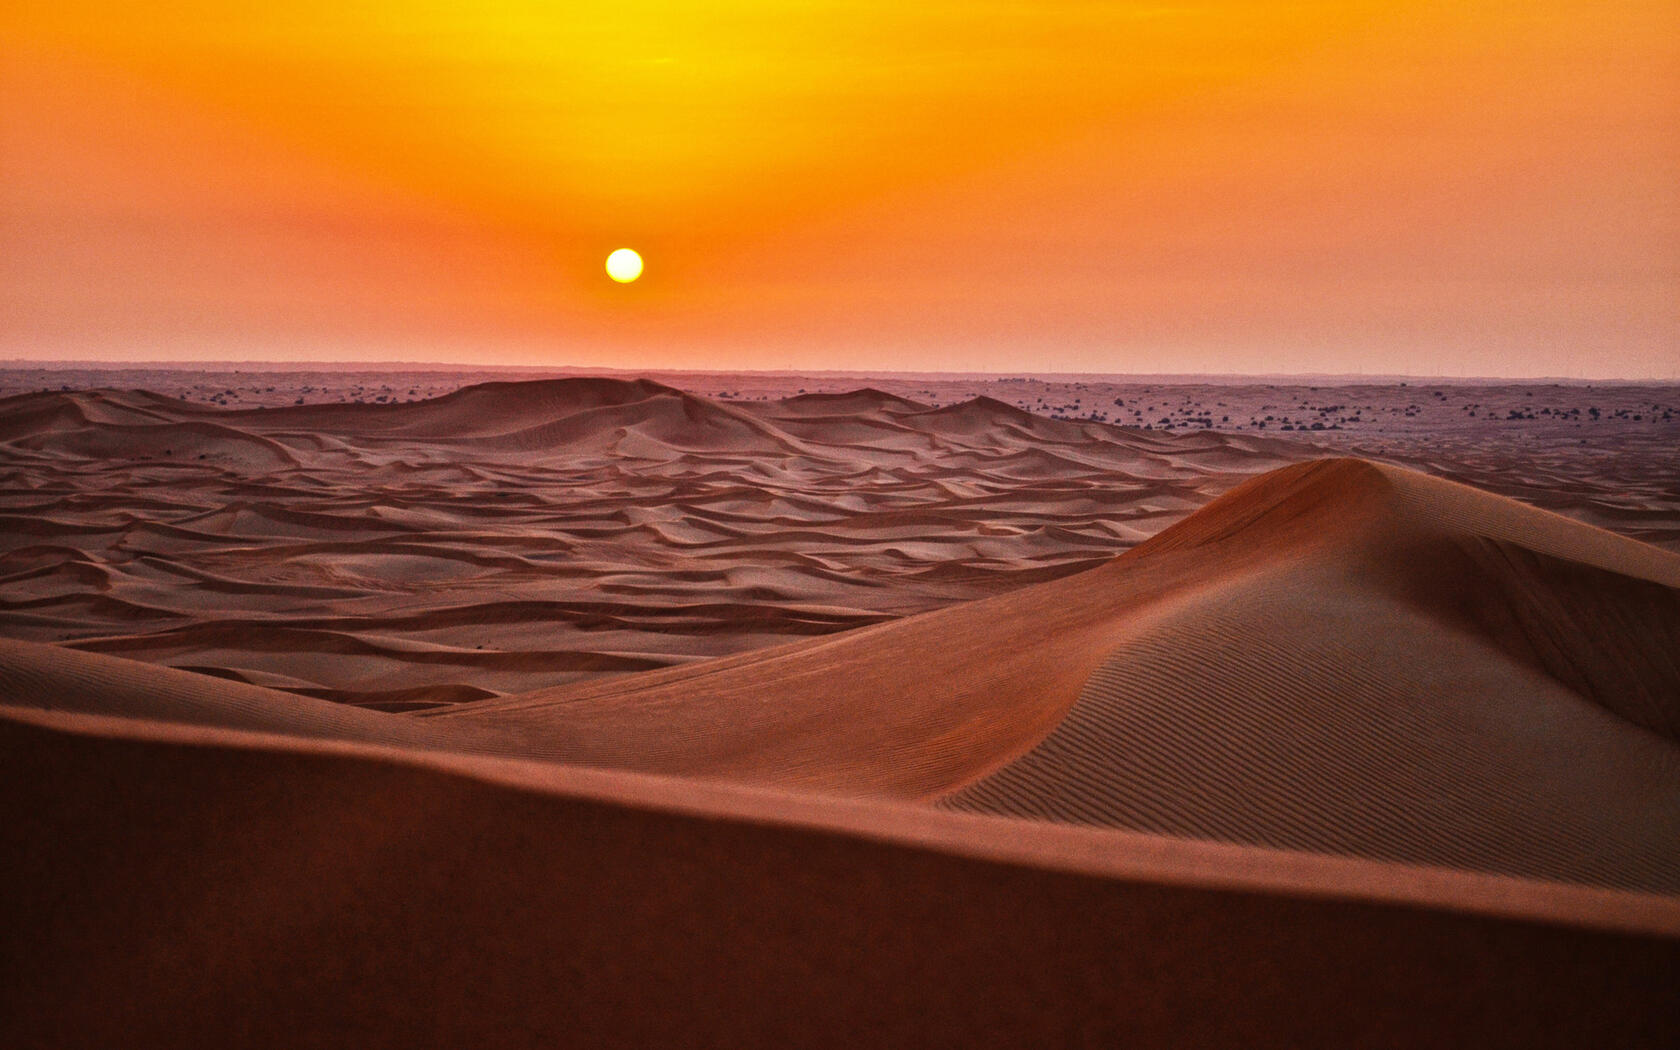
(980, 185)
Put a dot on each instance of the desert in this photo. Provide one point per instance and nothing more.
(613, 699)
(851, 523)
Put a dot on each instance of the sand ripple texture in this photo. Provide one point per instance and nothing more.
(509, 536)
(1439, 678)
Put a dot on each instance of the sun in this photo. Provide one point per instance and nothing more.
(624, 266)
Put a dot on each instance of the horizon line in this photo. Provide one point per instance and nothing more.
(1339, 378)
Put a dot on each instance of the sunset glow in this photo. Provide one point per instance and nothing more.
(1212, 186)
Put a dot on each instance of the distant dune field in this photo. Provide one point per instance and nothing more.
(594, 712)
(514, 535)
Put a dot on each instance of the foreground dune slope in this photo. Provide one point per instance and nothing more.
(1349, 757)
(180, 886)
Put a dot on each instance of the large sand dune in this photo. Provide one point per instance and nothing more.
(1348, 756)
(168, 887)
(1414, 671)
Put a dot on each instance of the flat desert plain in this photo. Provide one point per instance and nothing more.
(419, 707)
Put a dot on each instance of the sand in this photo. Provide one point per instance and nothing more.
(1331, 752)
(509, 536)
(1598, 451)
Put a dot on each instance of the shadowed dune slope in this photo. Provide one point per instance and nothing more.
(168, 888)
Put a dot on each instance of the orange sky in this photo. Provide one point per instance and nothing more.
(1424, 188)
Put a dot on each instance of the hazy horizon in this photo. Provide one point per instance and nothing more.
(464, 367)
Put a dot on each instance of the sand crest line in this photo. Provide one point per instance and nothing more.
(1120, 855)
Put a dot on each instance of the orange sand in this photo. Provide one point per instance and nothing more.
(1349, 756)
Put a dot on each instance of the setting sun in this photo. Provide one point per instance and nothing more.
(1223, 185)
(624, 266)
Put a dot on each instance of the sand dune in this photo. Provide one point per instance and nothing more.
(176, 887)
(508, 536)
(1404, 675)
(1336, 657)
(1349, 755)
